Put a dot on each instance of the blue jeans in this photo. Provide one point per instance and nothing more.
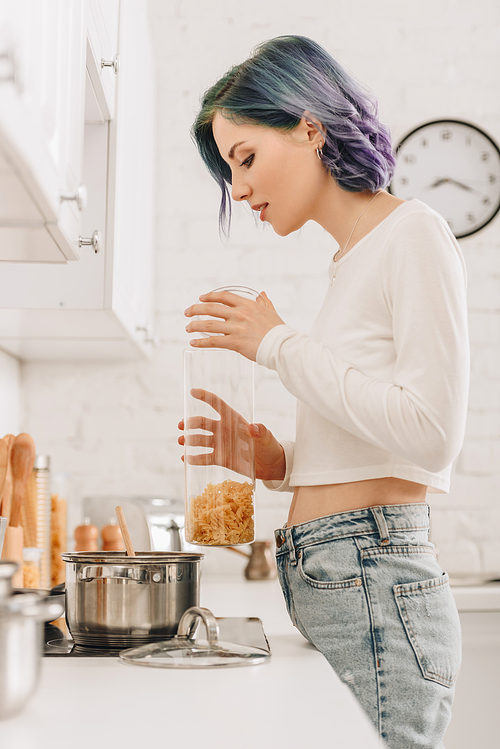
(364, 587)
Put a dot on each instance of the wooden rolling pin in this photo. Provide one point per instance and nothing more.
(4, 463)
(6, 488)
(22, 459)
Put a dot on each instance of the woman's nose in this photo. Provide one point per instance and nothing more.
(240, 189)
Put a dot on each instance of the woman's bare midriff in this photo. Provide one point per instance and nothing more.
(312, 502)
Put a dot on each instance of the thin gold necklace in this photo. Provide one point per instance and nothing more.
(340, 253)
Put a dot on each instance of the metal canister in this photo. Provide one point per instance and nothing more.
(21, 620)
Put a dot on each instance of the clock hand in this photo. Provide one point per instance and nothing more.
(462, 185)
(443, 180)
(438, 182)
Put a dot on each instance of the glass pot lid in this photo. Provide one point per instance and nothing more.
(185, 650)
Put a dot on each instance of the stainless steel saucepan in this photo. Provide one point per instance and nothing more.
(22, 614)
(115, 600)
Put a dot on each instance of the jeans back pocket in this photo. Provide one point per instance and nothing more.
(432, 624)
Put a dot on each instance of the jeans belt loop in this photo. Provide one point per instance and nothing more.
(383, 530)
(291, 547)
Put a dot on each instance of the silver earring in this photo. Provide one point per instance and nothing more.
(319, 152)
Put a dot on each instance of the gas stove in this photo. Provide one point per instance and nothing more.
(58, 642)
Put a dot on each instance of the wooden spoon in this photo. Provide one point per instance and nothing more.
(6, 489)
(4, 463)
(22, 459)
(126, 535)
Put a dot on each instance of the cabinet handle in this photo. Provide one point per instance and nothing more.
(148, 337)
(115, 64)
(95, 241)
(80, 196)
(9, 70)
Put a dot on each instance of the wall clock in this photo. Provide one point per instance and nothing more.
(454, 167)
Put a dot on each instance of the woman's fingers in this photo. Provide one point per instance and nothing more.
(202, 422)
(199, 440)
(264, 299)
(206, 308)
(213, 327)
(205, 459)
(226, 298)
(216, 403)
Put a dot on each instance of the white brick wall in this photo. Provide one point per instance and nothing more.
(113, 426)
(10, 395)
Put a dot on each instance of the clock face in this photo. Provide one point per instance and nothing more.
(453, 167)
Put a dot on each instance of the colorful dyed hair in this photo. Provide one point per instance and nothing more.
(284, 78)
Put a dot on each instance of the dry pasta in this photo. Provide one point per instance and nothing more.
(58, 540)
(222, 515)
(31, 575)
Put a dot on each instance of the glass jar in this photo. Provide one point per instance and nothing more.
(35, 515)
(219, 453)
(32, 567)
(60, 491)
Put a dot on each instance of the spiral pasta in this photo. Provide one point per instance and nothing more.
(222, 515)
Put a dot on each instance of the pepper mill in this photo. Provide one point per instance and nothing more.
(112, 539)
(86, 537)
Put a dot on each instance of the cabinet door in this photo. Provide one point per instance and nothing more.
(102, 45)
(41, 124)
(28, 98)
(131, 184)
(67, 140)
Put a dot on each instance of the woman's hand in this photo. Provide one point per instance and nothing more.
(242, 323)
(232, 441)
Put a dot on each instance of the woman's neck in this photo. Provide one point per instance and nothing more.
(338, 211)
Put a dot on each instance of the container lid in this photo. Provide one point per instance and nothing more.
(244, 291)
(121, 557)
(32, 554)
(7, 570)
(42, 463)
(186, 651)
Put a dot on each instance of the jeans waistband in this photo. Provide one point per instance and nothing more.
(380, 520)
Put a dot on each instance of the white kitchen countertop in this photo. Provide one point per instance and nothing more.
(295, 700)
(477, 597)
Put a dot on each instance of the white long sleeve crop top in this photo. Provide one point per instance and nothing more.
(382, 378)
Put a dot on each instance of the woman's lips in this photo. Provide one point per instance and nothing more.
(263, 212)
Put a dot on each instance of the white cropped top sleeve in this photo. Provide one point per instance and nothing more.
(382, 378)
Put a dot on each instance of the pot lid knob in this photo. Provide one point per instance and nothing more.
(7, 571)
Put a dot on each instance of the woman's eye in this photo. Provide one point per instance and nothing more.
(248, 162)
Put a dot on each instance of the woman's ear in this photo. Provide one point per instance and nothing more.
(312, 129)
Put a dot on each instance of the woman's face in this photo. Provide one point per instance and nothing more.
(277, 172)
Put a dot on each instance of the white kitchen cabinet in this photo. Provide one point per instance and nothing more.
(474, 720)
(42, 78)
(102, 52)
(102, 306)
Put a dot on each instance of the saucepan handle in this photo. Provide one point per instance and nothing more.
(103, 572)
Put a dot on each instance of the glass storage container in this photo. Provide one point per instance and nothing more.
(35, 515)
(60, 491)
(32, 563)
(219, 453)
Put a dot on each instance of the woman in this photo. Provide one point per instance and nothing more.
(381, 379)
